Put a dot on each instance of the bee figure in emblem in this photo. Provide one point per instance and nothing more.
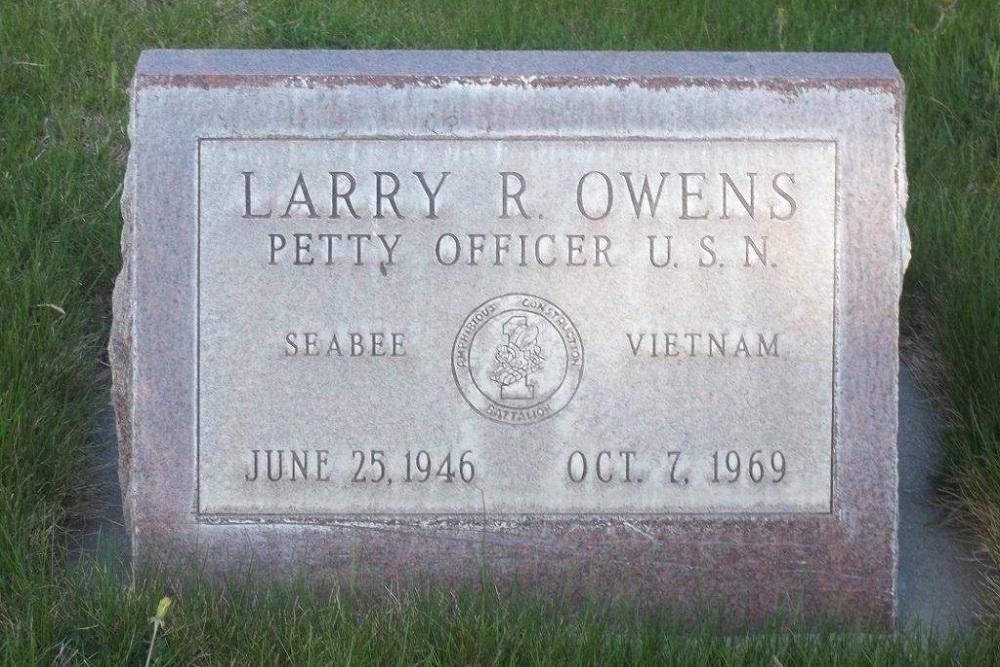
(517, 356)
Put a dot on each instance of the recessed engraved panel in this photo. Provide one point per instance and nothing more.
(518, 325)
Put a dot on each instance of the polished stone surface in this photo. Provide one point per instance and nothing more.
(650, 360)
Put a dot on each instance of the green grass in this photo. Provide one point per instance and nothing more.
(64, 70)
(285, 625)
(103, 620)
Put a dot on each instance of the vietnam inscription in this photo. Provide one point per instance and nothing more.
(518, 325)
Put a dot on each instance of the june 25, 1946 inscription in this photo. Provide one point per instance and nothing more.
(529, 325)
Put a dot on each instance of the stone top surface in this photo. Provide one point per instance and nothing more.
(814, 69)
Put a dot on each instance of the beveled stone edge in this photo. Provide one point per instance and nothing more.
(121, 338)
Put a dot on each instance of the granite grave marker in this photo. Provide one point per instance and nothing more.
(627, 320)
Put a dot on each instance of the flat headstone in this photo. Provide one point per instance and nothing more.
(626, 321)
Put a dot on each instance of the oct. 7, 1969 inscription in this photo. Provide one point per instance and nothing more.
(528, 325)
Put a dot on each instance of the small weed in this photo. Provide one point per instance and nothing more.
(157, 620)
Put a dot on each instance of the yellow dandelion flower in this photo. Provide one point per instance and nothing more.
(162, 608)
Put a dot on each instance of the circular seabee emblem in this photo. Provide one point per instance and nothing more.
(517, 359)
